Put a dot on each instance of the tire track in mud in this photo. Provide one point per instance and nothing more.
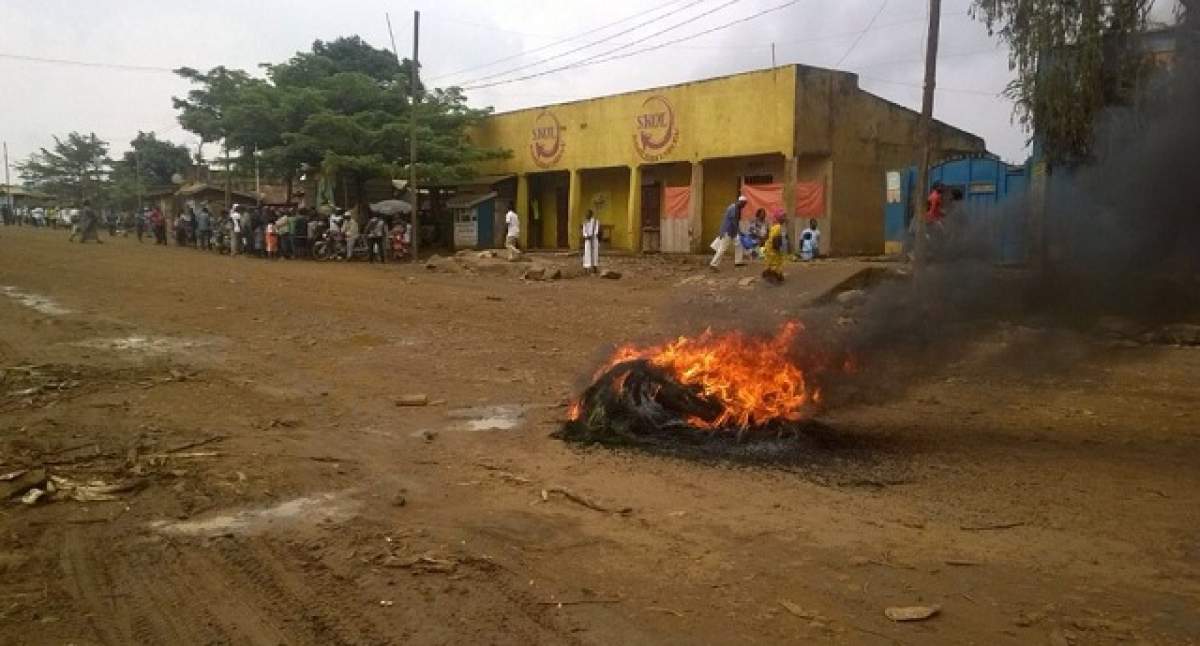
(85, 577)
(129, 596)
(309, 618)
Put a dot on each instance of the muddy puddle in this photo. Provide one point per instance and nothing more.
(298, 512)
(503, 417)
(138, 344)
(43, 304)
(479, 419)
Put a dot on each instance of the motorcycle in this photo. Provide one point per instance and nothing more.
(332, 246)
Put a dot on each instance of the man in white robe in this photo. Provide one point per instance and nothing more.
(591, 243)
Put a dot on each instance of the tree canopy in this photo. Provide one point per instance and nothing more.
(1072, 59)
(72, 170)
(151, 163)
(342, 107)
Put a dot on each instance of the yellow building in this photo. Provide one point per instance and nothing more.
(660, 166)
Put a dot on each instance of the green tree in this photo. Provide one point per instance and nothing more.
(150, 163)
(204, 109)
(1072, 59)
(73, 170)
(342, 107)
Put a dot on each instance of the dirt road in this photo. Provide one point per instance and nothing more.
(272, 492)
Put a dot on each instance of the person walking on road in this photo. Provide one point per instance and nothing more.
(728, 236)
(89, 224)
(773, 249)
(591, 243)
(513, 234)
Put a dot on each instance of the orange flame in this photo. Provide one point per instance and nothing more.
(753, 379)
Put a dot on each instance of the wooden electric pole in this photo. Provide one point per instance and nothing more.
(137, 173)
(8, 197)
(412, 139)
(925, 131)
(228, 179)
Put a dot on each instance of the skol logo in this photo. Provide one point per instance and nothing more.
(546, 144)
(655, 131)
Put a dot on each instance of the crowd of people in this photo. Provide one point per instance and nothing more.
(267, 232)
(290, 232)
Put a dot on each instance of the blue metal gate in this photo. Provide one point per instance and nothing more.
(992, 193)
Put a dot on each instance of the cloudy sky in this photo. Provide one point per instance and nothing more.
(129, 46)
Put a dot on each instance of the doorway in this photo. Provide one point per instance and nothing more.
(652, 217)
(562, 203)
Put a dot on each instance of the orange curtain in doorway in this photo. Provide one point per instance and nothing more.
(810, 199)
(768, 197)
(677, 202)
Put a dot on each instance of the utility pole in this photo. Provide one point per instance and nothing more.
(412, 139)
(137, 174)
(228, 178)
(772, 54)
(925, 132)
(257, 181)
(7, 183)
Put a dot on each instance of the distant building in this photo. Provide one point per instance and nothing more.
(659, 166)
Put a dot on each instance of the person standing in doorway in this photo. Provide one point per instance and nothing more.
(512, 235)
(591, 243)
(728, 236)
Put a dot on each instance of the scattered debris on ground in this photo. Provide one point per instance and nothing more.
(911, 613)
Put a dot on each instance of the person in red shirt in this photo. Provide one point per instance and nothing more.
(935, 214)
(158, 225)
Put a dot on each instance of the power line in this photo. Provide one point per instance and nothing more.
(941, 56)
(939, 88)
(557, 42)
(64, 61)
(168, 70)
(862, 33)
(605, 58)
(476, 82)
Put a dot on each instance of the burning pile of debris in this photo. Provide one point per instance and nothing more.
(692, 389)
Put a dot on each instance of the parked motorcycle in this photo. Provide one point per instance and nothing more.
(332, 246)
